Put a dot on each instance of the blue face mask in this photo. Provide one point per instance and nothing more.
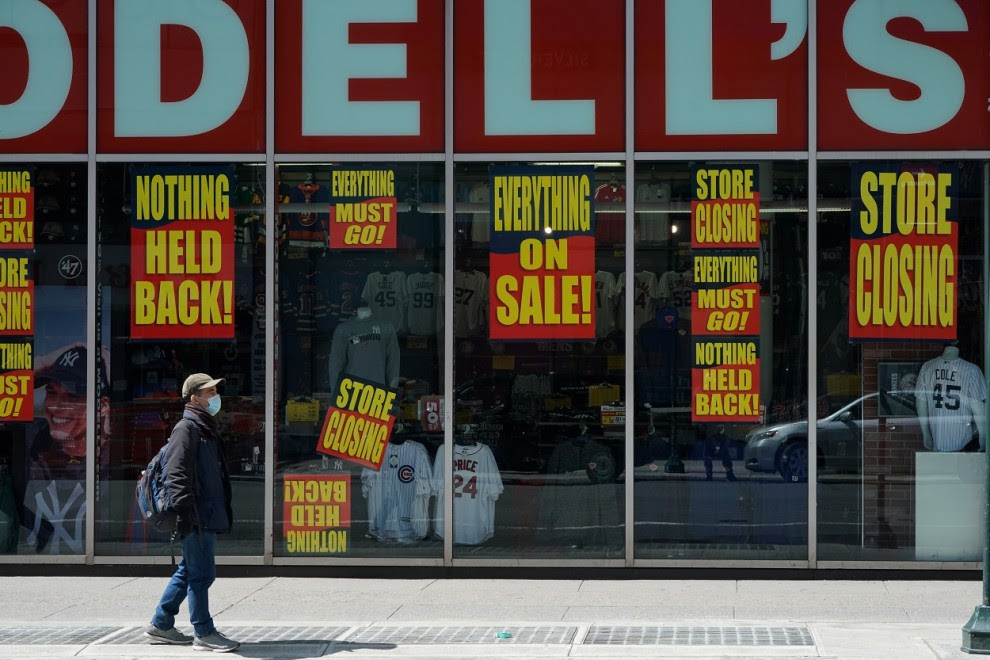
(213, 404)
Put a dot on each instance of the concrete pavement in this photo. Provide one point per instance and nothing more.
(60, 617)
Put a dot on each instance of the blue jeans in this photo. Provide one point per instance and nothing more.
(193, 577)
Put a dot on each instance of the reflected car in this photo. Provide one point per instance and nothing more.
(783, 448)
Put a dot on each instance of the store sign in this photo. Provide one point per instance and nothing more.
(903, 247)
(363, 209)
(316, 513)
(725, 300)
(542, 259)
(368, 77)
(359, 423)
(16, 296)
(182, 253)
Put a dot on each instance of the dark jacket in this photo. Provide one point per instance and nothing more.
(196, 472)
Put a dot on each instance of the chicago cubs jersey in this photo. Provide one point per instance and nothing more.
(398, 495)
(477, 484)
(424, 303)
(950, 388)
(606, 290)
(385, 294)
(470, 302)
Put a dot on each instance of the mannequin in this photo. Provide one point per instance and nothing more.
(364, 312)
(949, 400)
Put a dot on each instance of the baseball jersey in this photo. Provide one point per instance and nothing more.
(365, 348)
(477, 484)
(399, 494)
(470, 302)
(385, 294)
(609, 227)
(644, 299)
(338, 297)
(606, 290)
(675, 288)
(308, 229)
(297, 295)
(481, 229)
(652, 226)
(424, 303)
(949, 387)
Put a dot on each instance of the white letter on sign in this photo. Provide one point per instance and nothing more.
(138, 108)
(937, 75)
(330, 62)
(49, 68)
(691, 106)
(509, 105)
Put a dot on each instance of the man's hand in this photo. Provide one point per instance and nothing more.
(184, 525)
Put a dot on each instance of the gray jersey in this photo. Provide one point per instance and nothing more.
(605, 294)
(424, 303)
(477, 484)
(950, 388)
(365, 348)
(385, 294)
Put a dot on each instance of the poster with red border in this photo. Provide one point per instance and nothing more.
(542, 259)
(316, 513)
(359, 422)
(363, 209)
(182, 253)
(903, 252)
(725, 380)
(17, 310)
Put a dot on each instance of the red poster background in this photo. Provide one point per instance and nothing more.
(697, 243)
(742, 34)
(66, 133)
(578, 53)
(23, 332)
(729, 369)
(749, 325)
(423, 82)
(11, 227)
(383, 234)
(182, 70)
(840, 128)
(25, 398)
(345, 506)
(343, 455)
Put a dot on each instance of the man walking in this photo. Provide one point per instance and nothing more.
(199, 484)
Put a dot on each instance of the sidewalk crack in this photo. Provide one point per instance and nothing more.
(248, 595)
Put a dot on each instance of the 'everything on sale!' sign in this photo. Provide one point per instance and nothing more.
(542, 259)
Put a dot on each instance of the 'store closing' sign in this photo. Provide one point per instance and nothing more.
(359, 422)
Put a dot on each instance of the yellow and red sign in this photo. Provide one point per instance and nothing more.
(182, 253)
(542, 259)
(725, 297)
(903, 249)
(16, 382)
(363, 209)
(16, 297)
(316, 513)
(359, 423)
(16, 210)
(725, 380)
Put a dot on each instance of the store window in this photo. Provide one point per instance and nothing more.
(539, 403)
(720, 309)
(181, 290)
(44, 273)
(901, 360)
(359, 376)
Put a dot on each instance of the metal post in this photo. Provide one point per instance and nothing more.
(976, 632)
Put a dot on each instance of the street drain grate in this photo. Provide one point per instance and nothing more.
(253, 634)
(61, 635)
(463, 635)
(701, 635)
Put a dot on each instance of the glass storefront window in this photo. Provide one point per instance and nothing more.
(43, 359)
(720, 331)
(181, 290)
(539, 361)
(359, 377)
(901, 360)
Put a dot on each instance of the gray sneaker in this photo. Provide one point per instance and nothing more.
(170, 636)
(217, 642)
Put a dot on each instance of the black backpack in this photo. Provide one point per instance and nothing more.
(153, 498)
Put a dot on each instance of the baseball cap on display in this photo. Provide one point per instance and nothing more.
(196, 382)
(69, 371)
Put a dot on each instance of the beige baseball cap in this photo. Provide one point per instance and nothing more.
(196, 382)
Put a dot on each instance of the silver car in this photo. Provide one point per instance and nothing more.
(783, 447)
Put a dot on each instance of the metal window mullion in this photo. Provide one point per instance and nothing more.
(270, 194)
(629, 431)
(812, 308)
(91, 283)
(448, 286)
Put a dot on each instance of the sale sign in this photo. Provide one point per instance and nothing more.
(362, 209)
(542, 259)
(903, 248)
(182, 253)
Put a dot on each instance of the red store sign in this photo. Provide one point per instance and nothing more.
(529, 75)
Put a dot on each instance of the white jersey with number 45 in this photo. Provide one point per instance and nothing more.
(477, 484)
(950, 387)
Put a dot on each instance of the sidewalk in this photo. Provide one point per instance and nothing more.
(101, 617)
